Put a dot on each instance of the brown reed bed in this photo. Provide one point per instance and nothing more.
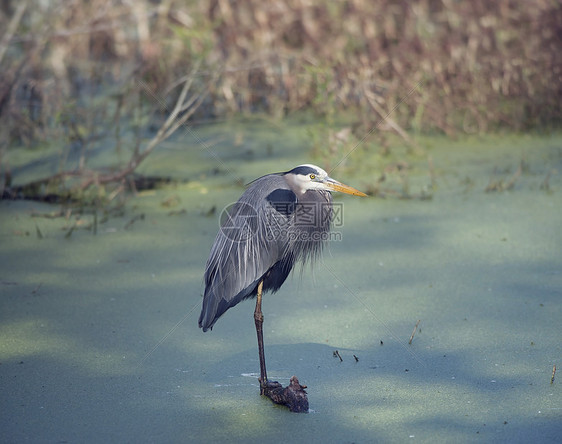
(75, 72)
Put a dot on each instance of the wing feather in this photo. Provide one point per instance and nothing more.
(251, 241)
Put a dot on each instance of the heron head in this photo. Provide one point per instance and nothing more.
(311, 177)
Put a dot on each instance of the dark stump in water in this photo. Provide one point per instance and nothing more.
(293, 396)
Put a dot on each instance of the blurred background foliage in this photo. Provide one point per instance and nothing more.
(74, 72)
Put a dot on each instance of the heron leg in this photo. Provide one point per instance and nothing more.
(292, 396)
(258, 319)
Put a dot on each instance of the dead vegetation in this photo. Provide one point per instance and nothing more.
(128, 74)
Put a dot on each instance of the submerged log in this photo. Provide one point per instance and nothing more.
(293, 396)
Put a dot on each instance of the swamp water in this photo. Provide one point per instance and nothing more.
(99, 337)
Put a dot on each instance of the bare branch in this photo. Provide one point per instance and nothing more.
(10, 31)
(386, 117)
(169, 127)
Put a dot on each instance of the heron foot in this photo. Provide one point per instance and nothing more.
(293, 396)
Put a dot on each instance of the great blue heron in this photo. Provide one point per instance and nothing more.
(280, 219)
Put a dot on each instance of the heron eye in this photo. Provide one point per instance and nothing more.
(312, 177)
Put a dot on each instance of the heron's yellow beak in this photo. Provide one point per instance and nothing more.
(342, 188)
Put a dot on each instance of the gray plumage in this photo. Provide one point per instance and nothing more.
(281, 219)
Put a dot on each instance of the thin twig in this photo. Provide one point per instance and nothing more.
(510, 184)
(11, 29)
(381, 112)
(414, 332)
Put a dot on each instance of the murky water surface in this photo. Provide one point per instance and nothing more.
(99, 337)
